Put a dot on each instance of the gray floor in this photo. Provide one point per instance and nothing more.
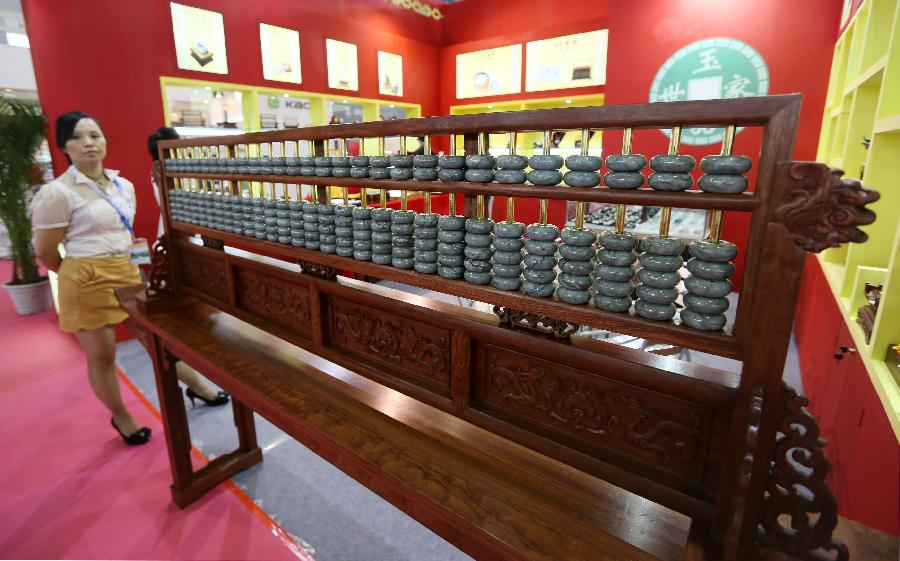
(332, 516)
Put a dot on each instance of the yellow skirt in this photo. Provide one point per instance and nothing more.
(86, 285)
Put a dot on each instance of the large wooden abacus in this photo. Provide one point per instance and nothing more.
(520, 392)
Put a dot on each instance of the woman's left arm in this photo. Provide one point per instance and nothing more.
(46, 246)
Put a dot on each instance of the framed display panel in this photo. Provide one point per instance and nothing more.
(390, 74)
(283, 111)
(205, 110)
(489, 72)
(569, 61)
(199, 39)
(343, 72)
(280, 49)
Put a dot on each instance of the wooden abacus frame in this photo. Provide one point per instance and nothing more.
(707, 443)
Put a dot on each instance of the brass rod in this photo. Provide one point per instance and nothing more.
(381, 146)
(481, 142)
(512, 143)
(298, 192)
(715, 224)
(510, 209)
(384, 198)
(547, 142)
(620, 218)
(427, 148)
(403, 197)
(675, 140)
(452, 150)
(627, 140)
(296, 148)
(428, 202)
(479, 207)
(451, 211)
(362, 198)
(579, 215)
(585, 139)
(403, 145)
(664, 221)
(342, 147)
(345, 193)
(362, 146)
(728, 141)
(545, 211)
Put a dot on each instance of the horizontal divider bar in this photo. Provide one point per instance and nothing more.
(745, 202)
(719, 344)
(708, 113)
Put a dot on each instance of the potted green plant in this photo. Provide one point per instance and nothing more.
(22, 127)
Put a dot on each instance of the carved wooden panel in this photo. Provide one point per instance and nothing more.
(274, 299)
(204, 273)
(666, 432)
(407, 348)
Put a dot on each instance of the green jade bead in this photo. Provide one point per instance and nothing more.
(477, 253)
(662, 246)
(706, 287)
(672, 163)
(507, 257)
(480, 161)
(584, 163)
(508, 244)
(452, 162)
(510, 176)
(662, 263)
(575, 282)
(401, 161)
(452, 222)
(479, 175)
(569, 296)
(535, 247)
(379, 161)
(704, 305)
(618, 242)
(663, 181)
(573, 236)
(611, 303)
(703, 322)
(537, 290)
(726, 164)
(479, 225)
(542, 232)
(658, 312)
(427, 220)
(512, 162)
(545, 162)
(401, 174)
(451, 236)
(623, 180)
(540, 262)
(451, 174)
(508, 229)
(506, 270)
(576, 253)
(379, 173)
(478, 240)
(425, 174)
(425, 268)
(656, 295)
(506, 283)
(729, 184)
(450, 272)
(712, 270)
(581, 179)
(544, 177)
(614, 273)
(613, 288)
(539, 276)
(576, 267)
(359, 161)
(626, 162)
(425, 161)
(713, 251)
(616, 258)
(659, 279)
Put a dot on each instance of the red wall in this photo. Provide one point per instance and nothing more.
(105, 57)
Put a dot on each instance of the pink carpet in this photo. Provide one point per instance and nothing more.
(71, 489)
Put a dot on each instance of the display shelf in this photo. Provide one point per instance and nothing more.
(864, 102)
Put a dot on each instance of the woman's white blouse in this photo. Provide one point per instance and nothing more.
(93, 227)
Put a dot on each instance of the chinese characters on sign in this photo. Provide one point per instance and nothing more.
(716, 68)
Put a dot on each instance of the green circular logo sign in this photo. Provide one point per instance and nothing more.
(274, 102)
(715, 68)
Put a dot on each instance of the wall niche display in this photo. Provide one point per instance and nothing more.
(199, 39)
(280, 112)
(280, 53)
(569, 61)
(343, 73)
(489, 72)
(390, 74)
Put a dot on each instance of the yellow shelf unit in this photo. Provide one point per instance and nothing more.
(526, 141)
(863, 106)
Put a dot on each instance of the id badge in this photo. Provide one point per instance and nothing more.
(140, 252)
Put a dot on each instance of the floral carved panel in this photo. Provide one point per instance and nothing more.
(652, 428)
(274, 299)
(205, 274)
(408, 348)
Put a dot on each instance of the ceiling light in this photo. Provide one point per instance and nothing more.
(343, 101)
(7, 90)
(205, 101)
(568, 101)
(391, 106)
(490, 106)
(284, 95)
(208, 88)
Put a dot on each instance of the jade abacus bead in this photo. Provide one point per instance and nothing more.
(478, 225)
(540, 262)
(616, 257)
(508, 244)
(449, 248)
(575, 267)
(475, 253)
(544, 177)
(663, 181)
(538, 290)
(506, 282)
(478, 240)
(506, 270)
(723, 183)
(705, 305)
(323, 162)
(382, 237)
(623, 180)
(450, 260)
(626, 162)
(478, 266)
(427, 220)
(576, 252)
(660, 279)
(451, 236)
(452, 162)
(583, 179)
(570, 296)
(611, 303)
(340, 172)
(401, 161)
(542, 232)
(536, 247)
(451, 174)
(510, 176)
(672, 163)
(663, 263)
(614, 273)
(713, 251)
(708, 287)
(449, 272)
(426, 232)
(425, 161)
(584, 163)
(662, 246)
(379, 173)
(323, 171)
(613, 288)
(656, 295)
(726, 164)
(425, 174)
(307, 161)
(292, 170)
(619, 242)
(401, 174)
(479, 175)
(425, 268)
(575, 282)
(423, 244)
(658, 312)
(541, 276)
(712, 270)
(480, 161)
(307, 171)
(572, 236)
(545, 162)
(379, 161)
(509, 229)
(512, 162)
(703, 322)
(507, 257)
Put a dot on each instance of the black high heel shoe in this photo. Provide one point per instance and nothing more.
(220, 399)
(140, 436)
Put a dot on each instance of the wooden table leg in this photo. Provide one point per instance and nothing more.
(246, 427)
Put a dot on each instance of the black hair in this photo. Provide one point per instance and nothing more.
(66, 123)
(162, 133)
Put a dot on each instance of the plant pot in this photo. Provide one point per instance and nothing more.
(30, 298)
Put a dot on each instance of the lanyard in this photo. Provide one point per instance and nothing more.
(97, 189)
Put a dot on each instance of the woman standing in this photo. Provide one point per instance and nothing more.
(90, 210)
